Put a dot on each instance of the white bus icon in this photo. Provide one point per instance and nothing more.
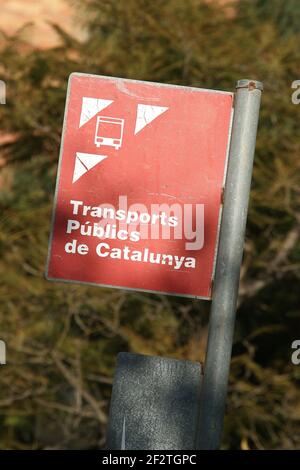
(109, 131)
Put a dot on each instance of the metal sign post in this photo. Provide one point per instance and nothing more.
(165, 147)
(223, 308)
(155, 399)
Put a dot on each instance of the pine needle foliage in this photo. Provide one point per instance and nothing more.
(63, 339)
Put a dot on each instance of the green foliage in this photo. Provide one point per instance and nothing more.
(63, 339)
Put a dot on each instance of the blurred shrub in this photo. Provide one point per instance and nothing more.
(63, 339)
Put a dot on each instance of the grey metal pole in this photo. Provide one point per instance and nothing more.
(230, 252)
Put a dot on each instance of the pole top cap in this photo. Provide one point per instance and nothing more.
(250, 84)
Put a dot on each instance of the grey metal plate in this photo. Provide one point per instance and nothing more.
(154, 404)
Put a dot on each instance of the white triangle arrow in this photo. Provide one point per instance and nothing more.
(85, 162)
(79, 170)
(90, 107)
(147, 113)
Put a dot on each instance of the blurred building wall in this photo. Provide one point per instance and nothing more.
(14, 14)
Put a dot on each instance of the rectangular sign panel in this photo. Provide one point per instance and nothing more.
(139, 186)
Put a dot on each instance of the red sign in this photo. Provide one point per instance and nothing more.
(138, 195)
